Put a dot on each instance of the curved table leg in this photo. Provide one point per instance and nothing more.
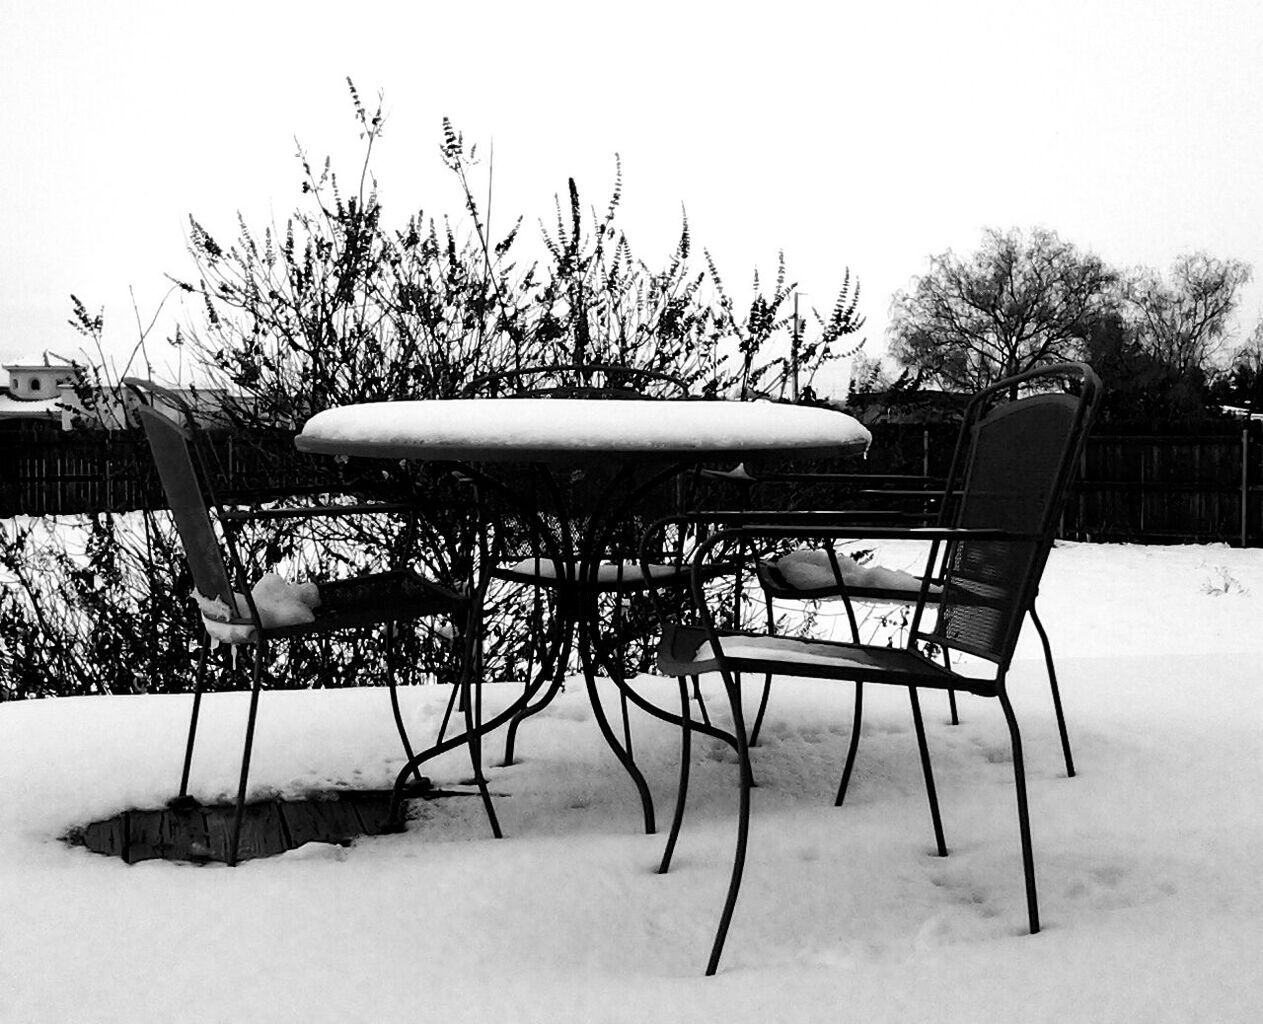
(587, 657)
(554, 667)
(442, 747)
(681, 794)
(389, 631)
(473, 729)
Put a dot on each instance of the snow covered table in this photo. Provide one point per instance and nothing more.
(566, 429)
(641, 443)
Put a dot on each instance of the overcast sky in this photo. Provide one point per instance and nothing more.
(864, 135)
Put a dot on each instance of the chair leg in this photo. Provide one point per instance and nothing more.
(535, 624)
(1056, 693)
(951, 694)
(758, 715)
(930, 791)
(389, 633)
(558, 670)
(753, 782)
(701, 701)
(1023, 813)
(624, 758)
(199, 681)
(614, 664)
(743, 830)
(854, 745)
(447, 715)
(627, 739)
(260, 649)
(767, 682)
(681, 793)
(473, 730)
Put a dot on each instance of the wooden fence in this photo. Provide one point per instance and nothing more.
(1144, 488)
(68, 474)
(1174, 488)
(1135, 488)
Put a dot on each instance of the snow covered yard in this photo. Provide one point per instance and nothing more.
(1147, 861)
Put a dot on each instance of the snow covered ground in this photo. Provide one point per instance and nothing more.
(1148, 861)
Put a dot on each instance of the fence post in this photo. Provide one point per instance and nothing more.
(925, 450)
(1245, 483)
(1143, 496)
(109, 473)
(1083, 505)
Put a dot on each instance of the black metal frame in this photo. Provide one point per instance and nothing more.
(578, 544)
(576, 558)
(907, 667)
(910, 488)
(197, 495)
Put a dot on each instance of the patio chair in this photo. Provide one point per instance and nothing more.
(1011, 483)
(234, 613)
(825, 575)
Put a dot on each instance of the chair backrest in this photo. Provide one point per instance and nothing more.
(577, 380)
(182, 473)
(1013, 470)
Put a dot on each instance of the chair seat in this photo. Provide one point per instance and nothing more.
(375, 598)
(611, 576)
(807, 574)
(685, 650)
(358, 601)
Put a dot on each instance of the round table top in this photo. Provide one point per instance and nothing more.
(562, 429)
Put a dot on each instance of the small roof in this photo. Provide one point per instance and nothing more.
(23, 408)
(38, 361)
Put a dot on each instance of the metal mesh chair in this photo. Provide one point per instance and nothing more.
(893, 498)
(223, 584)
(1011, 481)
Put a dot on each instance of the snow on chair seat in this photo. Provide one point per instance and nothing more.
(685, 650)
(812, 573)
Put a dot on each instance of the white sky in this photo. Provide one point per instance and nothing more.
(870, 135)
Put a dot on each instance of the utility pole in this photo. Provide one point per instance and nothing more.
(793, 353)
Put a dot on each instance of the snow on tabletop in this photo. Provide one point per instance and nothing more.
(579, 425)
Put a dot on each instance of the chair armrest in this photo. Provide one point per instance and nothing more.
(314, 511)
(925, 484)
(737, 475)
(739, 521)
(741, 474)
(830, 526)
(841, 526)
(904, 490)
(742, 517)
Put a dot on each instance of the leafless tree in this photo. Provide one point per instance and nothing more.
(1020, 301)
(1183, 321)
